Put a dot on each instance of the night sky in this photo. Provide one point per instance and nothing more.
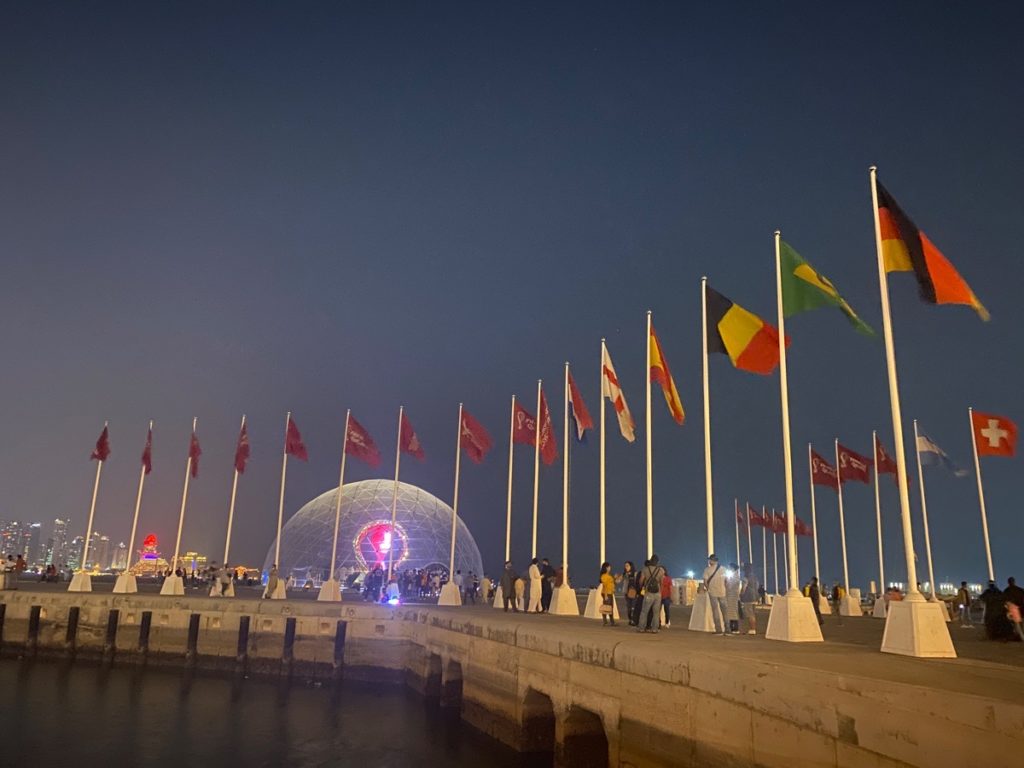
(210, 209)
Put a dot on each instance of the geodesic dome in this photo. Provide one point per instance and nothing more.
(421, 538)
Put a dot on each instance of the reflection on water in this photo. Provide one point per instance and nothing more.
(59, 714)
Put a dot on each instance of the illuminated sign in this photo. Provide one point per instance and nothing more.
(373, 544)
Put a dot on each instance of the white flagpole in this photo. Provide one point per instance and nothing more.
(135, 519)
(708, 493)
(536, 471)
(455, 498)
(878, 515)
(787, 454)
(231, 507)
(750, 539)
(981, 497)
(814, 514)
(602, 452)
(842, 520)
(764, 550)
(785, 560)
(775, 553)
(280, 501)
(184, 499)
(337, 500)
(565, 482)
(508, 508)
(650, 495)
(394, 494)
(92, 511)
(924, 516)
(736, 516)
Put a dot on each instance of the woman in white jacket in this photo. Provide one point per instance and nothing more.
(535, 587)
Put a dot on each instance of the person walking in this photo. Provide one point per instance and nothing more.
(547, 585)
(749, 594)
(535, 587)
(458, 581)
(963, 604)
(520, 592)
(1013, 593)
(650, 578)
(629, 588)
(271, 581)
(666, 598)
(714, 585)
(607, 595)
(814, 592)
(732, 598)
(508, 588)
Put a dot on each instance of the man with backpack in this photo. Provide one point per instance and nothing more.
(650, 580)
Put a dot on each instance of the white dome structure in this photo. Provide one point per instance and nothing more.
(421, 538)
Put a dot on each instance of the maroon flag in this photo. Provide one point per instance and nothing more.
(853, 466)
(524, 426)
(739, 517)
(147, 452)
(102, 449)
(823, 473)
(242, 449)
(579, 411)
(755, 517)
(408, 442)
(194, 451)
(360, 445)
(293, 442)
(801, 528)
(885, 464)
(474, 438)
(548, 451)
(778, 523)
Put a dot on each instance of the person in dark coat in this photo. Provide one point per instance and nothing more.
(508, 587)
(997, 625)
(547, 574)
(815, 594)
(1013, 593)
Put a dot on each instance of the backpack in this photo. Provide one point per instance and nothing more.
(652, 585)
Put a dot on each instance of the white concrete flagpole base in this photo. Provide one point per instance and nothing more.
(125, 584)
(793, 620)
(916, 628)
(173, 585)
(701, 619)
(280, 591)
(563, 601)
(214, 590)
(879, 610)
(499, 598)
(230, 591)
(594, 602)
(449, 595)
(849, 606)
(942, 607)
(330, 592)
(80, 582)
(823, 605)
(769, 598)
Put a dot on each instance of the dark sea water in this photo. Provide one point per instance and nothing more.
(56, 714)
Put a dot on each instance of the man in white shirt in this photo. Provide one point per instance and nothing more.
(714, 583)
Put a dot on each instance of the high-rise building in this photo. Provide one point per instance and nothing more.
(99, 552)
(119, 560)
(10, 537)
(74, 553)
(32, 536)
(59, 552)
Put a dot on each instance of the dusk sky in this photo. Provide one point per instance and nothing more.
(210, 209)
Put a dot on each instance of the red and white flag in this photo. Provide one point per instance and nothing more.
(408, 442)
(853, 466)
(548, 451)
(242, 449)
(578, 409)
(474, 438)
(994, 435)
(359, 444)
(823, 473)
(102, 449)
(524, 426)
(147, 452)
(610, 389)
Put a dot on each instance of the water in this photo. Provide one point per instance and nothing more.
(61, 714)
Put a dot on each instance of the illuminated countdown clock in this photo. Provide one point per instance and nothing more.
(373, 544)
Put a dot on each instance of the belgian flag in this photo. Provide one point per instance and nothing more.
(905, 248)
(751, 343)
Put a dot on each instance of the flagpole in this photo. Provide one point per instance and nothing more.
(878, 512)
(787, 455)
(785, 559)
(814, 513)
(394, 494)
(508, 508)
(736, 520)
(231, 507)
(981, 497)
(650, 497)
(280, 502)
(750, 539)
(775, 551)
(92, 511)
(708, 493)
(536, 471)
(565, 481)
(602, 450)
(924, 515)
(455, 499)
(764, 549)
(138, 506)
(842, 520)
(337, 500)
(184, 499)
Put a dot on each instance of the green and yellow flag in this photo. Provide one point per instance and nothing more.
(804, 288)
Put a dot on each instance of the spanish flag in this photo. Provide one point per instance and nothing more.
(751, 343)
(661, 374)
(905, 248)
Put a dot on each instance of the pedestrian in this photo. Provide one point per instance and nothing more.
(997, 622)
(607, 595)
(271, 581)
(748, 598)
(520, 586)
(547, 586)
(651, 580)
(963, 603)
(815, 594)
(535, 587)
(508, 587)
(1013, 593)
(732, 598)
(630, 589)
(714, 585)
(474, 586)
(458, 584)
(666, 598)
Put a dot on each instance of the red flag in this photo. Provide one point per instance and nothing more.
(884, 463)
(579, 411)
(194, 452)
(360, 445)
(242, 449)
(102, 449)
(740, 517)
(147, 452)
(801, 528)
(778, 523)
(853, 466)
(993, 435)
(408, 442)
(823, 473)
(293, 442)
(474, 438)
(548, 451)
(755, 517)
(524, 426)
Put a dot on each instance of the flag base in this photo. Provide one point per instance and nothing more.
(330, 592)
(173, 585)
(499, 597)
(914, 627)
(280, 591)
(125, 584)
(450, 595)
(230, 591)
(793, 620)
(879, 610)
(593, 607)
(563, 601)
(849, 606)
(701, 619)
(942, 606)
(80, 582)
(823, 605)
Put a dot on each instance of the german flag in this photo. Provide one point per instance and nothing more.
(660, 374)
(905, 248)
(751, 343)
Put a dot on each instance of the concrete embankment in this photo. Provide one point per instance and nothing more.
(548, 684)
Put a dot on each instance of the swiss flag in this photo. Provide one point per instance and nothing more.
(993, 435)
(548, 451)
(474, 438)
(853, 466)
(524, 426)
(293, 441)
(359, 444)
(408, 442)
